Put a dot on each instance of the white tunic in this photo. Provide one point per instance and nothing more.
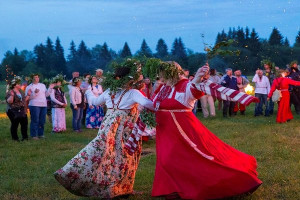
(262, 86)
(130, 98)
(39, 98)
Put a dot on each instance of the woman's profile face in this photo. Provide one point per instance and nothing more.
(18, 86)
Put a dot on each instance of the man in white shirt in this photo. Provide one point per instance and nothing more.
(37, 93)
(262, 89)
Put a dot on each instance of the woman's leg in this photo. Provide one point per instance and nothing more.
(203, 101)
(211, 104)
(24, 127)
(80, 115)
(14, 125)
(75, 118)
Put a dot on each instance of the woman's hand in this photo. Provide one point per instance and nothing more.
(29, 92)
(202, 71)
(12, 94)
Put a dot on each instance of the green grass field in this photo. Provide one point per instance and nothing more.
(26, 168)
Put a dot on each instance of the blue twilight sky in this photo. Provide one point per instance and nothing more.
(25, 23)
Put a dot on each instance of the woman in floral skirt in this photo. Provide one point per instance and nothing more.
(104, 168)
(94, 114)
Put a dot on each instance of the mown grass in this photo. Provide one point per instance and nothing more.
(26, 168)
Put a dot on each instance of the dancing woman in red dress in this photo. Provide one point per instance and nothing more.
(192, 163)
(284, 113)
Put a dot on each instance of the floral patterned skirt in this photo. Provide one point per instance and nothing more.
(58, 120)
(94, 117)
(104, 168)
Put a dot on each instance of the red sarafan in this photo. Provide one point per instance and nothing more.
(192, 162)
(284, 113)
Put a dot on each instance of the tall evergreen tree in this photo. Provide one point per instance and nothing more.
(145, 50)
(73, 51)
(105, 55)
(218, 38)
(230, 34)
(60, 60)
(72, 58)
(40, 54)
(161, 49)
(276, 38)
(254, 44)
(84, 58)
(240, 37)
(247, 33)
(49, 58)
(297, 42)
(221, 37)
(286, 42)
(125, 51)
(179, 52)
(175, 47)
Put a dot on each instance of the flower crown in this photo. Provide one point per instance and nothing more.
(170, 69)
(75, 80)
(59, 78)
(15, 81)
(91, 78)
(115, 82)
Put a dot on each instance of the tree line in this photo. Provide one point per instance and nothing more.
(49, 58)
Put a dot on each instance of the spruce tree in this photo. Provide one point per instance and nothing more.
(240, 37)
(60, 61)
(40, 54)
(73, 51)
(105, 55)
(230, 35)
(161, 49)
(179, 52)
(276, 38)
(286, 42)
(144, 50)
(254, 44)
(84, 58)
(297, 42)
(125, 51)
(174, 50)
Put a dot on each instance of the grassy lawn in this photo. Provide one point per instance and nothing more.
(26, 168)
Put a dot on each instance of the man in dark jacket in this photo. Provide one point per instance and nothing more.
(229, 81)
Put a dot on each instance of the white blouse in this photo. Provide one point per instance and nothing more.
(96, 91)
(128, 100)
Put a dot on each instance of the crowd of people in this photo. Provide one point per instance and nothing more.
(264, 89)
(106, 167)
